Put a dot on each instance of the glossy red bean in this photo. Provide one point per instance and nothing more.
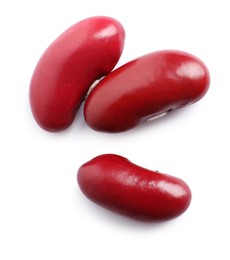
(85, 52)
(117, 184)
(144, 88)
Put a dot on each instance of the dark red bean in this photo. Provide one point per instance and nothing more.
(144, 88)
(117, 184)
(83, 53)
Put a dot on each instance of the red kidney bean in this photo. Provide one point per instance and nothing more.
(117, 184)
(144, 88)
(85, 52)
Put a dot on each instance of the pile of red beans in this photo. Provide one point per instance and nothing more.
(142, 89)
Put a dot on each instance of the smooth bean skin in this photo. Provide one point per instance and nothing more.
(117, 184)
(144, 88)
(82, 54)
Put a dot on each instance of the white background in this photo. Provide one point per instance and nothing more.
(43, 214)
